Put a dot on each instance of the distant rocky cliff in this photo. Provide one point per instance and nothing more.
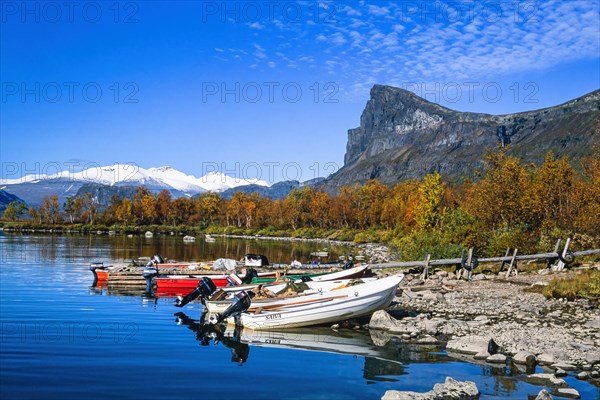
(403, 136)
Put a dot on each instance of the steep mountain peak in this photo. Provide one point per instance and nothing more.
(403, 136)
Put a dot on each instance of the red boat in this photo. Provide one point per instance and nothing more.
(102, 271)
(183, 284)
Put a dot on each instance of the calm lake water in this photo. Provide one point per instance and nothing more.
(62, 339)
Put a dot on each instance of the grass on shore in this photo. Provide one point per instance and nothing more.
(581, 285)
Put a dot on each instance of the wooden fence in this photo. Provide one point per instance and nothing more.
(469, 261)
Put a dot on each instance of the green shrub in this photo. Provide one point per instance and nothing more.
(583, 285)
(414, 246)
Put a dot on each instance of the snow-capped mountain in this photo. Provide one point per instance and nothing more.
(33, 187)
(129, 174)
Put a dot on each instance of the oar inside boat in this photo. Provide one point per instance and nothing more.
(205, 288)
(240, 303)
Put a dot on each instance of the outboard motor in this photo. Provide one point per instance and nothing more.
(204, 289)
(240, 303)
(157, 259)
(149, 272)
(95, 266)
(250, 274)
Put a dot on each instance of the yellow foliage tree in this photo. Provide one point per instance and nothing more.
(428, 209)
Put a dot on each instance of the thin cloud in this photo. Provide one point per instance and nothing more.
(390, 41)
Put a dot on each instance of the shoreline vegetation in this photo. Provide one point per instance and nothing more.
(511, 205)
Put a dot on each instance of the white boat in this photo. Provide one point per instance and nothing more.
(355, 272)
(325, 307)
(314, 287)
(188, 238)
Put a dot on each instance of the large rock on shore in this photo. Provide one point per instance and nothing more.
(544, 395)
(383, 321)
(451, 389)
(472, 345)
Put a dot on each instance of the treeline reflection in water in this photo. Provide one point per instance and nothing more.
(117, 248)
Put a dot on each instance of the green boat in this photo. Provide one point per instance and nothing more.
(257, 280)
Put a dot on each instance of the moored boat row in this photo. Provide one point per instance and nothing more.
(170, 278)
(319, 303)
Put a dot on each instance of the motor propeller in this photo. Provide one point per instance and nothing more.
(205, 288)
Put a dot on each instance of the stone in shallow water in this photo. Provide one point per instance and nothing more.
(383, 321)
(524, 357)
(547, 379)
(560, 373)
(472, 345)
(545, 358)
(564, 366)
(544, 395)
(583, 375)
(496, 359)
(427, 340)
(451, 389)
(569, 393)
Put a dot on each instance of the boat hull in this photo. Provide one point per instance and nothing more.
(185, 285)
(327, 307)
(314, 288)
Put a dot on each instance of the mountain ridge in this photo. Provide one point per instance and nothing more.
(403, 136)
(100, 180)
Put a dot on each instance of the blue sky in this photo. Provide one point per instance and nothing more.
(266, 89)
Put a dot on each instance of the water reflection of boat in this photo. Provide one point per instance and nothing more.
(379, 360)
(319, 339)
(207, 333)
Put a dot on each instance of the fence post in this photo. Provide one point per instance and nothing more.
(504, 262)
(426, 266)
(513, 263)
(561, 265)
(550, 260)
(469, 262)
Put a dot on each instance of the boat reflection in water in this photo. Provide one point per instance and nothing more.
(385, 357)
(207, 333)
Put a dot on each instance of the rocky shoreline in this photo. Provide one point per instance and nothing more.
(495, 321)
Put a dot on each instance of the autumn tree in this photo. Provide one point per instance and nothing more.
(138, 198)
(344, 207)
(182, 210)
(499, 200)
(124, 212)
(35, 214)
(149, 209)
(397, 207)
(110, 214)
(428, 209)
(320, 208)
(73, 207)
(50, 209)
(90, 208)
(550, 200)
(585, 196)
(14, 210)
(370, 199)
(163, 206)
